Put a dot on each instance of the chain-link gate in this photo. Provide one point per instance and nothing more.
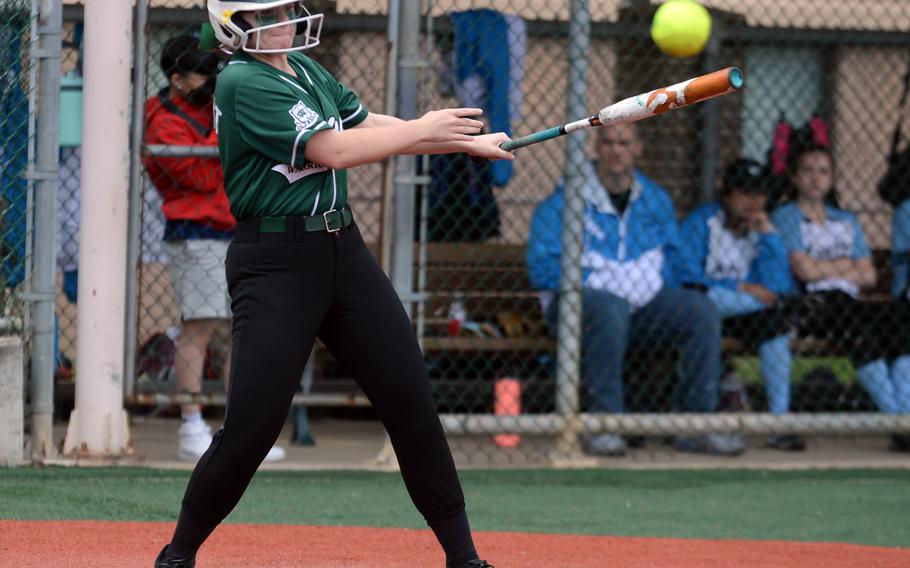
(68, 196)
(29, 60)
(16, 152)
(721, 288)
(18, 71)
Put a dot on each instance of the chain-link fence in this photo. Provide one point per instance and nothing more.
(68, 196)
(724, 284)
(721, 270)
(18, 71)
(16, 112)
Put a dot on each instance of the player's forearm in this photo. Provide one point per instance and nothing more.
(375, 120)
(809, 270)
(841, 268)
(438, 148)
(358, 146)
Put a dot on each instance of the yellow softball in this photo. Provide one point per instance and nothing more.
(681, 28)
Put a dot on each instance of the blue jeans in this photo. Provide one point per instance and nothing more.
(774, 354)
(674, 318)
(889, 386)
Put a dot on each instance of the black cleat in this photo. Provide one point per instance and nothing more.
(473, 564)
(164, 562)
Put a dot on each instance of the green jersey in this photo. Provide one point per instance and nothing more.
(264, 118)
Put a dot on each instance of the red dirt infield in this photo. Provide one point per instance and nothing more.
(61, 544)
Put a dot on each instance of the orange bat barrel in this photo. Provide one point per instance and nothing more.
(673, 97)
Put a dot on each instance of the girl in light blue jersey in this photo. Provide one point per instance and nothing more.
(832, 264)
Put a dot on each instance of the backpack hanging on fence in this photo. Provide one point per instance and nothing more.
(461, 203)
(155, 358)
(894, 187)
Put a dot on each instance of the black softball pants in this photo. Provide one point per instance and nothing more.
(286, 290)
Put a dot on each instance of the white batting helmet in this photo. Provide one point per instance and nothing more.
(236, 33)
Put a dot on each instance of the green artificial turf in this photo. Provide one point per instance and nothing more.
(856, 506)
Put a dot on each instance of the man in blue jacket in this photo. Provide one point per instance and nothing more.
(631, 247)
(736, 256)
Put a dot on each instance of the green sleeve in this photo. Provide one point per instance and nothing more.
(350, 109)
(277, 120)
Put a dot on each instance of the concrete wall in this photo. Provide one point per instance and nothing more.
(12, 415)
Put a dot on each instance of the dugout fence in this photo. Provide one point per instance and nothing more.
(453, 234)
(29, 82)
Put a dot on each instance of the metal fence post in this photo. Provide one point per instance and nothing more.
(568, 355)
(402, 261)
(135, 198)
(386, 235)
(50, 24)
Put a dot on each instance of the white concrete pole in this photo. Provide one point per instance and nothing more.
(98, 425)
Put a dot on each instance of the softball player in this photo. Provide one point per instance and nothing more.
(298, 268)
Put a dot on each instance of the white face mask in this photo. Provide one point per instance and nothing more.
(306, 25)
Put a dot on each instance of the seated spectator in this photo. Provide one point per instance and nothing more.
(630, 245)
(832, 263)
(742, 265)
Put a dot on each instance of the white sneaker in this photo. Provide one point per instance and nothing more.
(194, 438)
(276, 454)
(605, 445)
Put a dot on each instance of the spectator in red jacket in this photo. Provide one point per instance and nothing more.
(199, 224)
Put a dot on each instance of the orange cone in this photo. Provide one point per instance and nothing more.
(507, 402)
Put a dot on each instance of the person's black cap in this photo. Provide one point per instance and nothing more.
(181, 54)
(745, 175)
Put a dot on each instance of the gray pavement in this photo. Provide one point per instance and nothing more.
(359, 444)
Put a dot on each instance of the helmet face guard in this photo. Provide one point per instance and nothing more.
(236, 33)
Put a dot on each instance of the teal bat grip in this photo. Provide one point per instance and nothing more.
(547, 134)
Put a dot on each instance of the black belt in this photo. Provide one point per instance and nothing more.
(330, 222)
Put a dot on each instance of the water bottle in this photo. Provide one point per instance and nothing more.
(458, 315)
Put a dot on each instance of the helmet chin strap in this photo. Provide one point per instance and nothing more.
(241, 22)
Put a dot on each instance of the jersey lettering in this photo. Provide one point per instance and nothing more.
(295, 174)
(830, 241)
